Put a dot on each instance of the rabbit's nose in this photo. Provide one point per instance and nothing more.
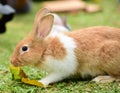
(14, 62)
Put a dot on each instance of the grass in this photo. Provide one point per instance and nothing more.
(21, 25)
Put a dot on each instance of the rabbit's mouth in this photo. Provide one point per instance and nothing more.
(16, 62)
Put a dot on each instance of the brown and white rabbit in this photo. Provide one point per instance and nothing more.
(90, 52)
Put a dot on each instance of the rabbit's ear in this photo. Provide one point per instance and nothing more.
(39, 15)
(44, 26)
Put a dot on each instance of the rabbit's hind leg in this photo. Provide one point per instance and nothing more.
(105, 79)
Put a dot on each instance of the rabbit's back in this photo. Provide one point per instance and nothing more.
(98, 50)
(93, 37)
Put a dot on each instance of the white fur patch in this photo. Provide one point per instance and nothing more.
(68, 65)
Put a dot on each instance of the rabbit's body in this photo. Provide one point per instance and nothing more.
(88, 52)
(98, 51)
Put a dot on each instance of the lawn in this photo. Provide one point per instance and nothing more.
(21, 25)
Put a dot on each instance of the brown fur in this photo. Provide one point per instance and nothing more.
(55, 48)
(98, 49)
(52, 47)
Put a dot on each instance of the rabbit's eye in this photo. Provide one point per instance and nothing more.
(24, 48)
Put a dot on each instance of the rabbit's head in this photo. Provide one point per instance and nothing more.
(30, 51)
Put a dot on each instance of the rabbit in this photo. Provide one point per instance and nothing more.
(89, 52)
